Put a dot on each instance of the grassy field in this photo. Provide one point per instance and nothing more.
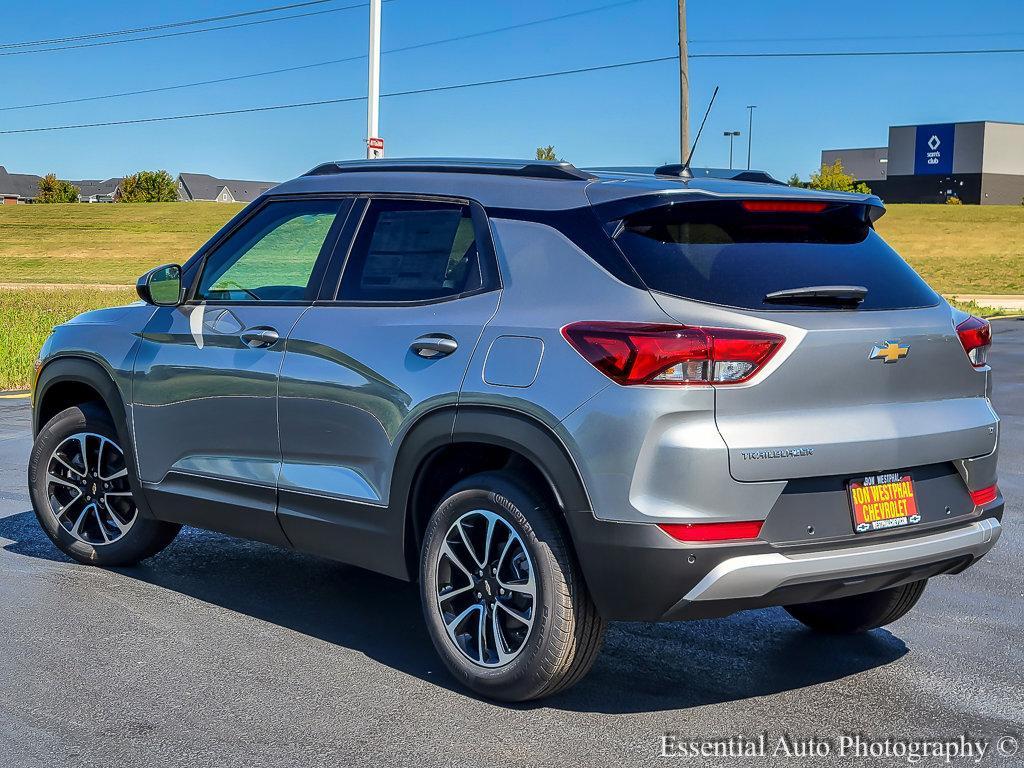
(28, 314)
(90, 244)
(960, 249)
(957, 249)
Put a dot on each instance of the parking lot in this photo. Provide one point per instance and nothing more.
(223, 652)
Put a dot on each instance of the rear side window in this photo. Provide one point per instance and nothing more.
(412, 250)
(721, 253)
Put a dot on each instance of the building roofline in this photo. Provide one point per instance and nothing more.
(856, 149)
(960, 122)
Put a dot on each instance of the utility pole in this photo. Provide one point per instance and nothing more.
(374, 144)
(684, 87)
(750, 130)
(732, 135)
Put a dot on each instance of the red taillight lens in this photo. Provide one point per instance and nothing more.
(976, 336)
(713, 531)
(636, 353)
(783, 206)
(985, 495)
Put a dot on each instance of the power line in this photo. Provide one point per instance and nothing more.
(324, 102)
(840, 54)
(183, 33)
(499, 81)
(156, 27)
(818, 38)
(330, 62)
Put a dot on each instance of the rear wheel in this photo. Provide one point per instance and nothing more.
(503, 598)
(859, 613)
(81, 493)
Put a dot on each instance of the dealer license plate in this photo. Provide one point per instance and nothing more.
(883, 501)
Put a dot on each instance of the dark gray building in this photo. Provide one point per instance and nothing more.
(93, 191)
(978, 162)
(18, 187)
(867, 164)
(202, 186)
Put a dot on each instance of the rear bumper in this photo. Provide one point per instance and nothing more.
(637, 572)
(753, 576)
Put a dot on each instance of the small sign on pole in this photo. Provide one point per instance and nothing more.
(375, 148)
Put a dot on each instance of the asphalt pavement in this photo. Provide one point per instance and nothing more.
(228, 653)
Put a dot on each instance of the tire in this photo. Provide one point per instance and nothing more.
(565, 632)
(859, 613)
(101, 525)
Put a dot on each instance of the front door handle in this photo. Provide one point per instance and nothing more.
(434, 345)
(259, 338)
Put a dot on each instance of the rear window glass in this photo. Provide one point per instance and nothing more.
(720, 253)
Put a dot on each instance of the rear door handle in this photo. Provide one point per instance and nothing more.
(434, 345)
(259, 338)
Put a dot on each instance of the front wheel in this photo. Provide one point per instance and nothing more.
(81, 493)
(504, 602)
(859, 613)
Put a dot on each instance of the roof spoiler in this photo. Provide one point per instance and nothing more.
(677, 170)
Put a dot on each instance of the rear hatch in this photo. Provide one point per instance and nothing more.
(872, 376)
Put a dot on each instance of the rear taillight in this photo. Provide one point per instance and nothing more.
(636, 353)
(976, 336)
(985, 495)
(693, 532)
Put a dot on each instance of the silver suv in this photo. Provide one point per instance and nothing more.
(552, 397)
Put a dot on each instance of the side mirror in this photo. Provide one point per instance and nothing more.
(161, 286)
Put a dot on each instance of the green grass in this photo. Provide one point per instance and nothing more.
(974, 308)
(960, 249)
(82, 244)
(28, 314)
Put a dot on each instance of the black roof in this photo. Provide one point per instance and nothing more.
(534, 169)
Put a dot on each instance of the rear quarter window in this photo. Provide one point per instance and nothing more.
(720, 253)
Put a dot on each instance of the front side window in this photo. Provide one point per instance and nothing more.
(272, 256)
(410, 250)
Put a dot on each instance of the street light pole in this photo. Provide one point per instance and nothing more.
(373, 85)
(732, 135)
(750, 130)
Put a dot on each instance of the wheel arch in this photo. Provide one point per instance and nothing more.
(64, 382)
(451, 443)
(68, 381)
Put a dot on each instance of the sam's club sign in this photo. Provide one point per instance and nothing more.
(933, 152)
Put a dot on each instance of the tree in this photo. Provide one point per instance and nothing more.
(148, 187)
(548, 153)
(54, 190)
(833, 177)
(794, 181)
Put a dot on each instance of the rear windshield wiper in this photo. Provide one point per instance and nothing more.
(850, 295)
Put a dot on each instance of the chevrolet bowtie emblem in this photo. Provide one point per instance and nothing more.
(890, 352)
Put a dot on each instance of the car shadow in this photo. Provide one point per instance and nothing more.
(642, 668)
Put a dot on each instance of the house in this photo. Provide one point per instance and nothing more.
(202, 186)
(90, 191)
(19, 187)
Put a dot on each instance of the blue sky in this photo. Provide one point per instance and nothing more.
(625, 116)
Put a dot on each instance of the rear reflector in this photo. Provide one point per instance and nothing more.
(783, 206)
(713, 531)
(637, 353)
(976, 336)
(985, 495)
